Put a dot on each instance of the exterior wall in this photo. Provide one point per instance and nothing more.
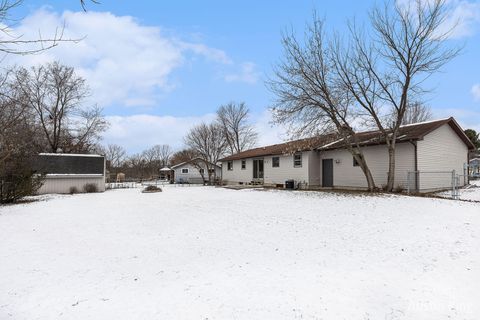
(286, 170)
(193, 175)
(273, 176)
(345, 175)
(238, 175)
(442, 151)
(63, 183)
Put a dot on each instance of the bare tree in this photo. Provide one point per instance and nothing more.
(17, 147)
(417, 112)
(239, 134)
(310, 98)
(115, 154)
(384, 70)
(208, 141)
(56, 94)
(184, 155)
(161, 154)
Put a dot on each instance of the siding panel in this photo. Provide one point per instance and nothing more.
(346, 175)
(441, 150)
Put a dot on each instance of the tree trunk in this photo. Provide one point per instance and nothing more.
(391, 167)
(366, 170)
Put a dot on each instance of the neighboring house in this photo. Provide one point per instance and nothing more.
(426, 155)
(191, 171)
(65, 171)
(474, 165)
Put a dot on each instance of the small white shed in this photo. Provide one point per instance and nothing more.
(64, 172)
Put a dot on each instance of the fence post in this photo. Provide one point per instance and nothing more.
(454, 185)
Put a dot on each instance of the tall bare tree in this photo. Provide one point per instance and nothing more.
(182, 156)
(239, 134)
(384, 68)
(309, 97)
(115, 154)
(209, 143)
(417, 112)
(56, 95)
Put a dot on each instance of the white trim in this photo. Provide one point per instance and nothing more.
(72, 175)
(71, 155)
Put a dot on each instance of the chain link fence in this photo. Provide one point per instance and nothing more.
(436, 181)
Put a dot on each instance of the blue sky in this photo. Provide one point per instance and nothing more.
(159, 67)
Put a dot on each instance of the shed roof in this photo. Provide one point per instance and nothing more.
(409, 132)
(69, 164)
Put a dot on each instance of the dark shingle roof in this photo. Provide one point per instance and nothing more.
(411, 132)
(285, 148)
(52, 163)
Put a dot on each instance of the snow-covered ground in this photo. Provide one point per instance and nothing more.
(206, 253)
(469, 193)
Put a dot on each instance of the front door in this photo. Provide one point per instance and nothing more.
(327, 173)
(258, 169)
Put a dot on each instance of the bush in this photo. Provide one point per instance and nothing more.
(73, 190)
(90, 188)
(16, 187)
(152, 189)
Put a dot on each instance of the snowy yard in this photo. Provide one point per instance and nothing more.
(205, 253)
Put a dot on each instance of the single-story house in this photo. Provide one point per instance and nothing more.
(426, 155)
(474, 167)
(65, 171)
(191, 171)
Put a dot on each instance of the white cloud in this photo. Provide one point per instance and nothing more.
(247, 74)
(476, 92)
(267, 132)
(124, 62)
(462, 20)
(141, 131)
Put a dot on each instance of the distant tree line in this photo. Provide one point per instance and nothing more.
(205, 144)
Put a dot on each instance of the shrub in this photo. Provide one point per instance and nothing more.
(152, 189)
(16, 187)
(90, 188)
(399, 189)
(73, 190)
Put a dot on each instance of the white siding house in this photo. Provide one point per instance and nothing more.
(426, 155)
(188, 172)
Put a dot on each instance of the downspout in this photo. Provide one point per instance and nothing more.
(414, 143)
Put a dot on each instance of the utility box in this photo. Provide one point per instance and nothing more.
(290, 184)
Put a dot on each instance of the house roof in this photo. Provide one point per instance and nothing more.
(189, 161)
(410, 132)
(285, 148)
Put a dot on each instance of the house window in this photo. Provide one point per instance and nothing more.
(230, 165)
(297, 160)
(244, 164)
(275, 162)
(202, 171)
(185, 170)
(355, 162)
